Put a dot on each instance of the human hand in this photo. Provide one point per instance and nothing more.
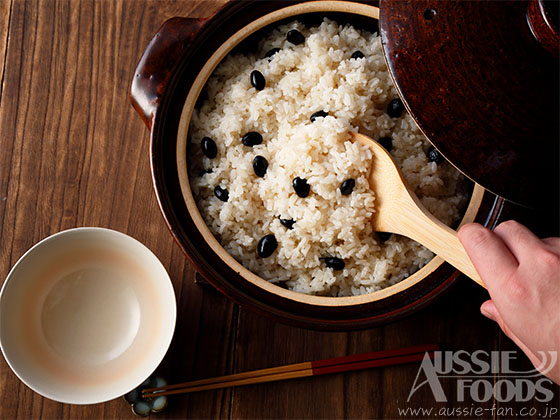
(522, 274)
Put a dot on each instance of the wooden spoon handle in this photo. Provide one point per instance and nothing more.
(424, 228)
(446, 244)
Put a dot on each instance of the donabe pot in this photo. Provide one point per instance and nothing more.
(165, 87)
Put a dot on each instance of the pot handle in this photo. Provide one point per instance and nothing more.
(158, 63)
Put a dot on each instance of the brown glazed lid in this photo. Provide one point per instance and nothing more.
(481, 81)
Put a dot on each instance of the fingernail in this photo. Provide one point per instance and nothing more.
(487, 314)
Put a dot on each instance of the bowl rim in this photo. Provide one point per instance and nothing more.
(159, 350)
(182, 164)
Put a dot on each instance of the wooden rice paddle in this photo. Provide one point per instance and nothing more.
(398, 210)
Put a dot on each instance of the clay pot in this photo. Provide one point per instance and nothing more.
(165, 88)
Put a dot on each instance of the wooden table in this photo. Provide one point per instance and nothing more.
(74, 153)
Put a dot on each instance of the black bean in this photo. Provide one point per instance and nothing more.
(386, 142)
(357, 54)
(318, 114)
(257, 80)
(334, 263)
(251, 139)
(301, 187)
(271, 52)
(347, 186)
(434, 155)
(209, 147)
(295, 37)
(260, 165)
(383, 236)
(287, 223)
(205, 171)
(221, 193)
(267, 245)
(395, 108)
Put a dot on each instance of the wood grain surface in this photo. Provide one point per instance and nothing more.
(73, 152)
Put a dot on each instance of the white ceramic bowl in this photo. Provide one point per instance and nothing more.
(86, 315)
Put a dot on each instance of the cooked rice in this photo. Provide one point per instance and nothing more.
(300, 80)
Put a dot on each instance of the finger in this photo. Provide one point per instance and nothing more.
(489, 254)
(554, 243)
(489, 310)
(520, 240)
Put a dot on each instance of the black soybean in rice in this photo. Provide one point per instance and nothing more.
(357, 54)
(271, 52)
(221, 193)
(257, 80)
(334, 263)
(266, 246)
(318, 114)
(395, 108)
(301, 187)
(287, 223)
(386, 142)
(260, 165)
(347, 186)
(209, 147)
(295, 37)
(383, 236)
(252, 138)
(434, 155)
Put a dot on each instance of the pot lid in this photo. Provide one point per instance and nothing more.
(482, 88)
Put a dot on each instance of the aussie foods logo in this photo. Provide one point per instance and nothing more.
(475, 375)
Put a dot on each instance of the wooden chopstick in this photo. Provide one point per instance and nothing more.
(299, 370)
